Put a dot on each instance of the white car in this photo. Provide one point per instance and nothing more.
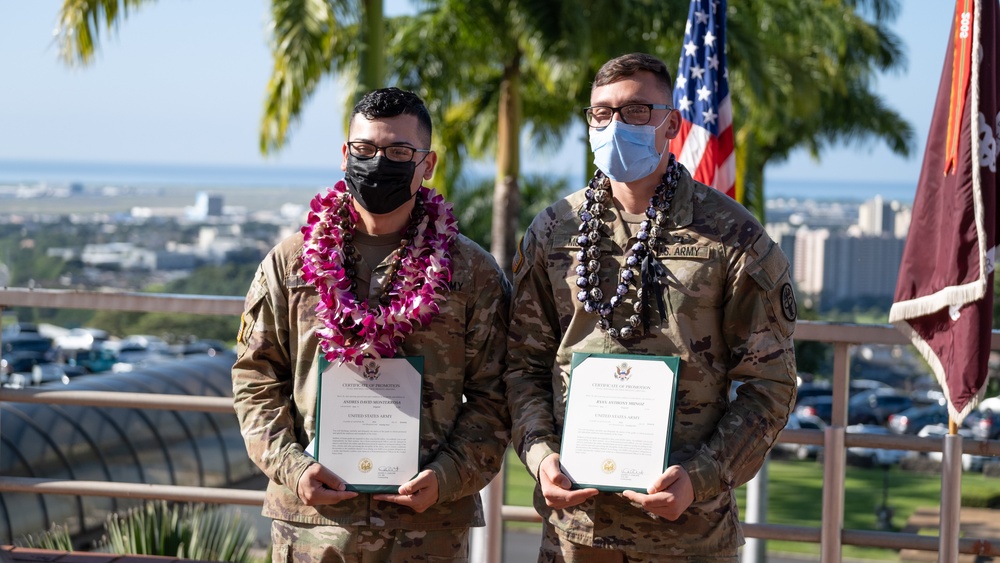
(970, 462)
(802, 451)
(81, 339)
(872, 456)
(989, 404)
(152, 344)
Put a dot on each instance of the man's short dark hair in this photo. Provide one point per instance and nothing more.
(627, 65)
(390, 102)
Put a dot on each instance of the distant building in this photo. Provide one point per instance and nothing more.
(118, 255)
(126, 256)
(216, 242)
(205, 205)
(784, 235)
(833, 268)
(166, 260)
(62, 253)
(841, 265)
(879, 217)
(875, 217)
(807, 266)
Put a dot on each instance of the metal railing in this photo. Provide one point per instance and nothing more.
(831, 535)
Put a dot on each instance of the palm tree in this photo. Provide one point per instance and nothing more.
(488, 68)
(492, 69)
(801, 75)
(310, 40)
(313, 40)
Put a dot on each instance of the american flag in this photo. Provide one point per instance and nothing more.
(704, 144)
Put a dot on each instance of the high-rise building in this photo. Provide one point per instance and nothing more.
(877, 217)
(205, 205)
(833, 268)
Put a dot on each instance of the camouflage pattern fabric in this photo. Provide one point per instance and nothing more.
(730, 317)
(275, 387)
(308, 543)
(556, 549)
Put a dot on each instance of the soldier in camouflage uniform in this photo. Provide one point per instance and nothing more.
(690, 273)
(394, 223)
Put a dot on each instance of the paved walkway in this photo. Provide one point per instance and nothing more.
(973, 523)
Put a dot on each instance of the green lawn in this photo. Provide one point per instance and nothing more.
(795, 496)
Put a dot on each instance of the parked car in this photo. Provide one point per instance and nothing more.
(807, 390)
(152, 344)
(95, 360)
(45, 373)
(990, 404)
(132, 354)
(970, 462)
(201, 346)
(22, 351)
(15, 329)
(875, 406)
(928, 397)
(872, 457)
(823, 388)
(859, 385)
(913, 419)
(802, 451)
(983, 424)
(817, 406)
(82, 338)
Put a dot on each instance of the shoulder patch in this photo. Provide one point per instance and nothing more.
(519, 257)
(243, 327)
(788, 306)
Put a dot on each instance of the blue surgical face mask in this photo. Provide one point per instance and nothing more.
(624, 152)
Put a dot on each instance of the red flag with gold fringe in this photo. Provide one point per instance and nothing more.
(944, 294)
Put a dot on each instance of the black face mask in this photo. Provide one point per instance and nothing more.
(380, 185)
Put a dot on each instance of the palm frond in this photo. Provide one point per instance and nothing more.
(304, 33)
(81, 22)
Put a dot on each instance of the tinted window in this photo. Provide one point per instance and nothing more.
(27, 345)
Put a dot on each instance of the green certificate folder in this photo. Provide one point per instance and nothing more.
(619, 419)
(368, 422)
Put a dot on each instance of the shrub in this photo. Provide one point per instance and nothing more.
(183, 531)
(55, 539)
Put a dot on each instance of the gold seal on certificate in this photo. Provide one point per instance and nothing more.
(619, 418)
(368, 422)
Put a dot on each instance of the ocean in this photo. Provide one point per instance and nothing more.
(277, 176)
(826, 190)
(207, 176)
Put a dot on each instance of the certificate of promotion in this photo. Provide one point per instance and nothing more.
(368, 422)
(619, 418)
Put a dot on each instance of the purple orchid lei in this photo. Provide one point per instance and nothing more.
(351, 329)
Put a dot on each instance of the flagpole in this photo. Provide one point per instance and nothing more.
(951, 494)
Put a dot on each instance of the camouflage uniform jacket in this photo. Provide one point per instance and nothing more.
(275, 388)
(730, 316)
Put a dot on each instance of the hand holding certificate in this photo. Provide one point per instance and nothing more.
(619, 418)
(368, 422)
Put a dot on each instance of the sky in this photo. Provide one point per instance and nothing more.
(171, 88)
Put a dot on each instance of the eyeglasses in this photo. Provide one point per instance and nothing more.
(395, 153)
(633, 114)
